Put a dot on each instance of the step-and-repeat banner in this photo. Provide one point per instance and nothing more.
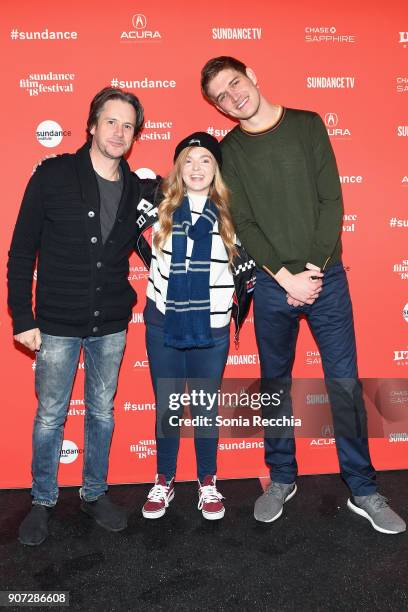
(346, 60)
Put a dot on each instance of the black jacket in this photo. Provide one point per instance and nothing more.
(243, 266)
(82, 284)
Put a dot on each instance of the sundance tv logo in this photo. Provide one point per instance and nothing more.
(402, 131)
(248, 33)
(140, 32)
(330, 82)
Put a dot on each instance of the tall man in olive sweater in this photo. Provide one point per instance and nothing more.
(79, 216)
(287, 207)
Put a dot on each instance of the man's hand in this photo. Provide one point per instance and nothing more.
(41, 161)
(292, 302)
(302, 287)
(30, 338)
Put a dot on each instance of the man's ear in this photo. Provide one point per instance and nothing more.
(251, 75)
(92, 130)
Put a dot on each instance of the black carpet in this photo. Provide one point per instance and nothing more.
(318, 556)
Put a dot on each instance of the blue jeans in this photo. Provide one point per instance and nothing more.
(176, 366)
(331, 321)
(56, 366)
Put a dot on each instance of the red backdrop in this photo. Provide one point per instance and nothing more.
(56, 56)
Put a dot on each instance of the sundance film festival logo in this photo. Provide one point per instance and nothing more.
(404, 181)
(50, 82)
(402, 131)
(349, 222)
(73, 407)
(401, 269)
(140, 32)
(156, 130)
(50, 134)
(248, 33)
(143, 449)
(335, 130)
(402, 84)
(327, 34)
(403, 39)
(405, 313)
(330, 82)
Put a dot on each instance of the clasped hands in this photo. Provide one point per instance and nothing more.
(302, 288)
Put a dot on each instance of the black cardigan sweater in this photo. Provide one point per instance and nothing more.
(82, 284)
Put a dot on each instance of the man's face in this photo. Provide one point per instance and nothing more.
(235, 94)
(113, 134)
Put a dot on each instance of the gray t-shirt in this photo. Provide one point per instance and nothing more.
(110, 193)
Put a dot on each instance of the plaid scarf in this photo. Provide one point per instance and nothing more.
(187, 318)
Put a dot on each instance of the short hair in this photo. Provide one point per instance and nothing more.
(113, 93)
(214, 66)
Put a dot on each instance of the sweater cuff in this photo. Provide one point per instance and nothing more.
(23, 323)
(319, 258)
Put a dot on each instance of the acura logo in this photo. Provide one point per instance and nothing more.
(139, 22)
(327, 431)
(331, 119)
(403, 37)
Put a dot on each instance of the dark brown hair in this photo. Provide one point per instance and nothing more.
(112, 93)
(214, 66)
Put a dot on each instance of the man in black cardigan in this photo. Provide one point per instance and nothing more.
(78, 216)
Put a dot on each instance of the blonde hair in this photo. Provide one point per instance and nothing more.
(174, 192)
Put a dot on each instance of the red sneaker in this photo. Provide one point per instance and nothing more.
(209, 499)
(158, 498)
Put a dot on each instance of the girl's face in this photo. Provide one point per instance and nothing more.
(198, 170)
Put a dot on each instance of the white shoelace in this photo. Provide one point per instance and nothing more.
(208, 495)
(159, 493)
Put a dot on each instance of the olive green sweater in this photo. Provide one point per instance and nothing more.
(286, 195)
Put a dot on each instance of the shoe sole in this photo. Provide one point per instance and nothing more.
(32, 543)
(158, 513)
(365, 514)
(274, 518)
(213, 516)
(103, 525)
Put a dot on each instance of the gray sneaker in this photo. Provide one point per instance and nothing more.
(269, 506)
(375, 508)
